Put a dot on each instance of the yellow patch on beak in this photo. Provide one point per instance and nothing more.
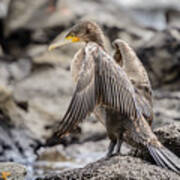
(73, 38)
(68, 40)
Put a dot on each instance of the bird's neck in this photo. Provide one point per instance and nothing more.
(76, 64)
(98, 37)
(101, 41)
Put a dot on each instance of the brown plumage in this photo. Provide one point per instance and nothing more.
(103, 85)
(125, 56)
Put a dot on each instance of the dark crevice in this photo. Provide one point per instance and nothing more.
(23, 105)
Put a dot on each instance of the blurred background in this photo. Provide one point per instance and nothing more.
(36, 85)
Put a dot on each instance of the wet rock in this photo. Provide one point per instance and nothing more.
(59, 158)
(17, 171)
(4, 5)
(80, 154)
(170, 137)
(9, 107)
(166, 108)
(20, 69)
(47, 93)
(35, 90)
(118, 167)
(161, 58)
(16, 144)
(172, 18)
(5, 94)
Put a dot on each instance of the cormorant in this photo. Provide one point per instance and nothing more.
(101, 83)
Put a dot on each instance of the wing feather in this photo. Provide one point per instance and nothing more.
(101, 82)
(113, 77)
(83, 101)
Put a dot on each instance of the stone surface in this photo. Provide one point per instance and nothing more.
(4, 5)
(166, 108)
(161, 58)
(16, 144)
(17, 171)
(170, 137)
(118, 167)
(36, 86)
(47, 95)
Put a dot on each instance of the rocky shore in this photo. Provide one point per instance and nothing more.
(36, 86)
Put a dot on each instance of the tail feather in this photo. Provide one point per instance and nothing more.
(158, 161)
(172, 158)
(165, 158)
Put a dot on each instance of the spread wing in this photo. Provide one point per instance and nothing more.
(101, 82)
(145, 102)
(114, 88)
(83, 100)
(126, 57)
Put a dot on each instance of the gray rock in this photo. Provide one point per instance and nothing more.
(161, 58)
(16, 144)
(118, 167)
(47, 93)
(166, 108)
(170, 137)
(4, 5)
(17, 171)
(20, 69)
(122, 167)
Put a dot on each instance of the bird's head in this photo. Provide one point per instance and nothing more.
(85, 31)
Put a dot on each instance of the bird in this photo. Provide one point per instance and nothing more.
(126, 57)
(102, 83)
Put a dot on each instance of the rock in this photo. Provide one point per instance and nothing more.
(5, 94)
(166, 107)
(4, 5)
(161, 58)
(170, 137)
(36, 85)
(72, 156)
(118, 167)
(172, 18)
(47, 93)
(4, 73)
(9, 108)
(20, 69)
(17, 171)
(16, 144)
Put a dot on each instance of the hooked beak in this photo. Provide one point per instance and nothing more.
(67, 40)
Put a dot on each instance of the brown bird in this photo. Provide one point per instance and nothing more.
(125, 56)
(103, 84)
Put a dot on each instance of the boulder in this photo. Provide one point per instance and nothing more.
(118, 167)
(17, 171)
(160, 55)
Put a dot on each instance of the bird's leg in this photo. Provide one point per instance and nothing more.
(118, 146)
(110, 148)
